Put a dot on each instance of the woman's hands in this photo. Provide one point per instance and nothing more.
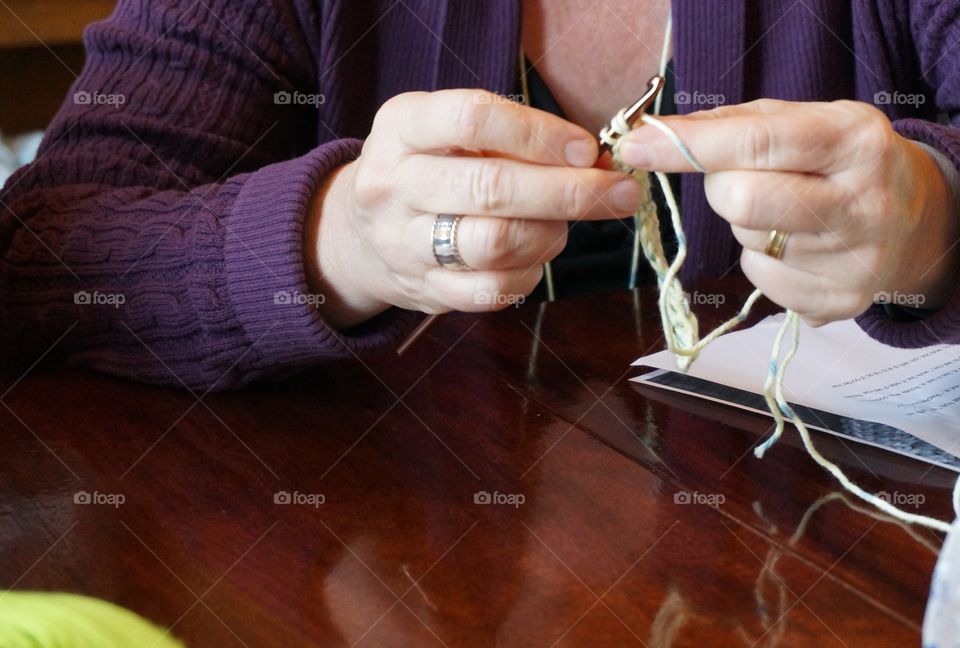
(516, 173)
(869, 212)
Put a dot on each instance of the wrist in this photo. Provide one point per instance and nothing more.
(930, 262)
(332, 255)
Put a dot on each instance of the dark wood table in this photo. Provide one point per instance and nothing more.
(386, 539)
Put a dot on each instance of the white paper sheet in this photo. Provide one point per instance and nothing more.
(841, 370)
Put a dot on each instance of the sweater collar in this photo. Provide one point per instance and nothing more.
(477, 45)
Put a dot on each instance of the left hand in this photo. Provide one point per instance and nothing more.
(868, 211)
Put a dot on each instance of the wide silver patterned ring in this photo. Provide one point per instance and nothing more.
(444, 238)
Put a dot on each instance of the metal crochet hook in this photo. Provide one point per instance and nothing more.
(633, 115)
(635, 112)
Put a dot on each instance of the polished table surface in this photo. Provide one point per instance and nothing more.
(347, 506)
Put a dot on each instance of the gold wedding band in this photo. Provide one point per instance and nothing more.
(776, 244)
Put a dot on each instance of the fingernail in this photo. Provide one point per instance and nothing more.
(635, 149)
(627, 196)
(581, 153)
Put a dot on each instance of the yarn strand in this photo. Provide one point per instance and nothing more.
(680, 325)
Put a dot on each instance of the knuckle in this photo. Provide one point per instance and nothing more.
(843, 304)
(879, 139)
(394, 113)
(489, 186)
(370, 186)
(478, 97)
(873, 136)
(855, 303)
(536, 131)
(511, 242)
(469, 116)
(768, 105)
(739, 203)
(390, 111)
(858, 111)
(756, 144)
(501, 240)
(576, 198)
(814, 321)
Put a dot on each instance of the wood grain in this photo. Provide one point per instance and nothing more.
(532, 402)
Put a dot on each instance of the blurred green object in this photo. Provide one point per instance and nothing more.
(55, 620)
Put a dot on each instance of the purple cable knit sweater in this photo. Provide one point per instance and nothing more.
(172, 177)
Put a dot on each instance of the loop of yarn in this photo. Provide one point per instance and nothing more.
(680, 323)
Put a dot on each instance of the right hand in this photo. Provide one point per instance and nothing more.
(517, 173)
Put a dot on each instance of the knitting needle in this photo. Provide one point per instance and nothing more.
(416, 334)
(632, 115)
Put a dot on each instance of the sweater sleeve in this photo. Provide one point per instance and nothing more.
(936, 29)
(158, 234)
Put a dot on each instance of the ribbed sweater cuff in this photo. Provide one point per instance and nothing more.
(942, 326)
(265, 267)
